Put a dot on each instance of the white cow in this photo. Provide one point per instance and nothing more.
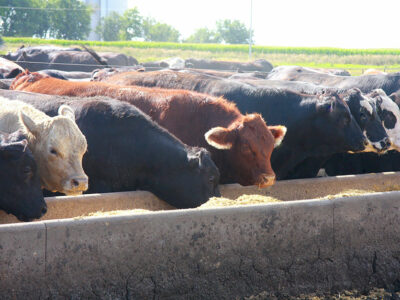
(56, 142)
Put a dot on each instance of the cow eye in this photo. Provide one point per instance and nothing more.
(53, 151)
(27, 171)
(211, 179)
(363, 116)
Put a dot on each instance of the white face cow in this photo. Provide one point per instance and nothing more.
(56, 142)
(389, 113)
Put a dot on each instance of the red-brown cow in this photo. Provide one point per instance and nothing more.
(240, 145)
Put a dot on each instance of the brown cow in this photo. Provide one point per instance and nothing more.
(241, 145)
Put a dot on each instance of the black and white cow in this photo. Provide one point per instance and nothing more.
(389, 113)
(343, 164)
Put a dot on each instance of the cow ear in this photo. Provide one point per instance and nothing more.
(278, 132)
(220, 138)
(13, 150)
(395, 97)
(28, 122)
(194, 161)
(66, 111)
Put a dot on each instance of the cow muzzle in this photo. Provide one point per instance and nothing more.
(379, 147)
(266, 180)
(385, 144)
(76, 185)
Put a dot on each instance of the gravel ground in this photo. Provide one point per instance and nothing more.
(344, 295)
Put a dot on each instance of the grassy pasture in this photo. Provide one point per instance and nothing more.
(354, 60)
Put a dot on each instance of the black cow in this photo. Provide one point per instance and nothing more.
(67, 60)
(37, 49)
(390, 83)
(127, 151)
(261, 65)
(67, 75)
(317, 125)
(20, 188)
(363, 107)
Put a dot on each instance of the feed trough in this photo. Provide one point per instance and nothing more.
(323, 242)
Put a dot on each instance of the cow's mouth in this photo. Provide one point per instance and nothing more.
(72, 192)
(24, 218)
(266, 180)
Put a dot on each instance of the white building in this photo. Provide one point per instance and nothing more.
(118, 6)
(101, 9)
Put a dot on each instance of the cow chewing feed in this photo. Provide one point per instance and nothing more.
(20, 189)
(240, 145)
(57, 144)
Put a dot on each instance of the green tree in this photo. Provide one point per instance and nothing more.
(233, 32)
(110, 27)
(204, 35)
(159, 32)
(132, 24)
(68, 19)
(23, 22)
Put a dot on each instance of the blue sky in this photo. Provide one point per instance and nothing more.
(331, 23)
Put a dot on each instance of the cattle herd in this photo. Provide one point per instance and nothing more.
(74, 121)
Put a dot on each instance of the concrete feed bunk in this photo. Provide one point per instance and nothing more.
(291, 247)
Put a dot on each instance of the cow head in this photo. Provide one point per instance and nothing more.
(249, 143)
(389, 113)
(101, 74)
(335, 128)
(20, 189)
(58, 147)
(25, 79)
(363, 109)
(197, 175)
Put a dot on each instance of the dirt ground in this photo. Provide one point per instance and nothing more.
(380, 294)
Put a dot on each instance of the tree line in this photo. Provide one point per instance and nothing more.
(70, 19)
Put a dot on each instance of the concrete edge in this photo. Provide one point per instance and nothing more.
(294, 246)
(299, 189)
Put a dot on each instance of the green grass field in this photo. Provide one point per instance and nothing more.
(354, 60)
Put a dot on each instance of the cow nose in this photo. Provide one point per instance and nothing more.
(44, 209)
(366, 143)
(385, 143)
(266, 180)
(80, 183)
